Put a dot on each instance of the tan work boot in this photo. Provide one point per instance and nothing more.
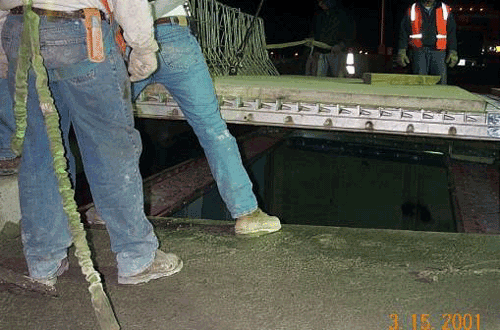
(257, 223)
(164, 264)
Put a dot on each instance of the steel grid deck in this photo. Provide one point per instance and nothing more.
(432, 111)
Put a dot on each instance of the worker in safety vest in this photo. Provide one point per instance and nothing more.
(183, 71)
(90, 85)
(428, 29)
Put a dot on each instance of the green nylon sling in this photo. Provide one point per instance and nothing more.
(30, 56)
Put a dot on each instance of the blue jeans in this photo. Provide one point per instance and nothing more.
(183, 71)
(95, 99)
(426, 61)
(7, 122)
(331, 64)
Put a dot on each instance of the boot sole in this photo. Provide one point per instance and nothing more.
(258, 232)
(147, 278)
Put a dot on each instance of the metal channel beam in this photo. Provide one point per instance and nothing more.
(344, 117)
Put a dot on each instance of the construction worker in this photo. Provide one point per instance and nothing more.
(9, 163)
(428, 29)
(332, 26)
(184, 73)
(90, 86)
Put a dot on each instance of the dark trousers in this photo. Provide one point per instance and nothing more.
(427, 61)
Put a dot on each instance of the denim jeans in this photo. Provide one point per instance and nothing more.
(95, 99)
(184, 73)
(426, 61)
(333, 64)
(7, 122)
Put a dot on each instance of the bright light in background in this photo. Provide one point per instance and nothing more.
(350, 64)
(491, 49)
(461, 62)
(350, 59)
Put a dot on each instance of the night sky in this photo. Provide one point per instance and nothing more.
(286, 22)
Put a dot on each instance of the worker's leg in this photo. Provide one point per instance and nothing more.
(100, 109)
(337, 64)
(420, 61)
(9, 163)
(183, 71)
(437, 65)
(323, 65)
(44, 225)
(7, 122)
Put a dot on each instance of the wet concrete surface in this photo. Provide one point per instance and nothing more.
(303, 277)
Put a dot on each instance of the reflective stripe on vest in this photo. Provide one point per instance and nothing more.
(416, 26)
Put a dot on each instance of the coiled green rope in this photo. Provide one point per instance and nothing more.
(30, 56)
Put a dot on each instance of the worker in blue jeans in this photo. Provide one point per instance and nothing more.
(92, 94)
(184, 73)
(9, 163)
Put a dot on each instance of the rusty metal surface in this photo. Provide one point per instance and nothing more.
(475, 193)
(171, 189)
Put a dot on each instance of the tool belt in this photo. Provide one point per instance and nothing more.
(92, 18)
(77, 14)
(178, 20)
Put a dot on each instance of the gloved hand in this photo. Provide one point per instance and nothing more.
(402, 58)
(141, 64)
(452, 58)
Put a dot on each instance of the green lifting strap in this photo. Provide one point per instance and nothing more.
(30, 56)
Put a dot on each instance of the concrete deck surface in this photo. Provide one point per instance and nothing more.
(289, 88)
(303, 277)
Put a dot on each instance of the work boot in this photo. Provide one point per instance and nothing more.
(9, 166)
(257, 223)
(52, 280)
(164, 264)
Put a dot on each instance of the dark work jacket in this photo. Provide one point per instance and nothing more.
(429, 29)
(333, 27)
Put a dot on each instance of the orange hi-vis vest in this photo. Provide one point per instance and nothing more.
(416, 26)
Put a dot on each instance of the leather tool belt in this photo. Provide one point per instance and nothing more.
(179, 20)
(77, 14)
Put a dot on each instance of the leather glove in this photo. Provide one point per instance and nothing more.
(452, 58)
(141, 64)
(402, 58)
